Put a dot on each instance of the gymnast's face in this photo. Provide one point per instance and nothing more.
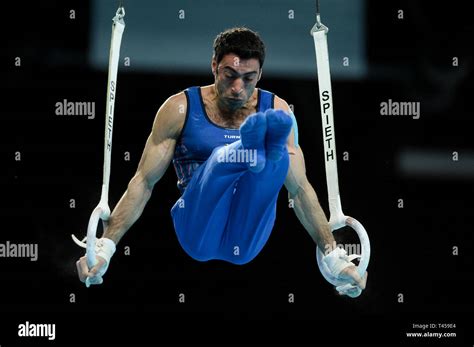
(235, 80)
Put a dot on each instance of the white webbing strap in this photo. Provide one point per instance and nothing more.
(337, 219)
(118, 26)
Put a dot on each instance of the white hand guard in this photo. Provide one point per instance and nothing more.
(104, 248)
(336, 261)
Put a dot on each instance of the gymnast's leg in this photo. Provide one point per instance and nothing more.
(205, 224)
(253, 208)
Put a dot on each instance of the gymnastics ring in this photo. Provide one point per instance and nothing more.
(337, 218)
(102, 211)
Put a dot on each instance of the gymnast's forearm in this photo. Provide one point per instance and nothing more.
(128, 209)
(312, 217)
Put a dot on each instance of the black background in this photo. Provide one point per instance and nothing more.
(62, 159)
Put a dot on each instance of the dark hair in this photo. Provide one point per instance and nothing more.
(241, 41)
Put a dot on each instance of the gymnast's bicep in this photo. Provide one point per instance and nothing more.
(160, 145)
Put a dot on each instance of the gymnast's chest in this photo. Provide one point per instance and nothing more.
(198, 142)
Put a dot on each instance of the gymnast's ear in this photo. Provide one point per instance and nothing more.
(214, 65)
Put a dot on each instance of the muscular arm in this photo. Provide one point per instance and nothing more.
(156, 157)
(306, 203)
(310, 213)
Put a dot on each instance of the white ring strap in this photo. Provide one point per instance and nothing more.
(102, 211)
(337, 217)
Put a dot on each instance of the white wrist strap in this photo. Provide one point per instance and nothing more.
(104, 247)
(337, 260)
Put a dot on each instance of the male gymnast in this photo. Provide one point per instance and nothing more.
(232, 149)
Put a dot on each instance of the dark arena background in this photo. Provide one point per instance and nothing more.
(408, 178)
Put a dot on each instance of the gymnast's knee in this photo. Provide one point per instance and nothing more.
(235, 257)
(197, 253)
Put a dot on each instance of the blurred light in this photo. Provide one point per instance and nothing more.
(436, 164)
(156, 39)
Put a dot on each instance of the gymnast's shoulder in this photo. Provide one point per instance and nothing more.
(171, 115)
(281, 104)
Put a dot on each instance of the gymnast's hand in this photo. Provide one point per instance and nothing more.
(352, 277)
(341, 266)
(104, 250)
(95, 273)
